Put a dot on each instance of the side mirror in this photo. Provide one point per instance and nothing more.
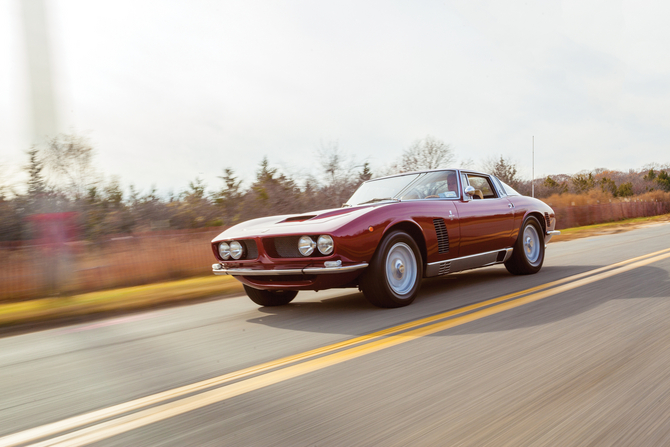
(469, 192)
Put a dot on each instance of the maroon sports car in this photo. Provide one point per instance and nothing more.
(390, 234)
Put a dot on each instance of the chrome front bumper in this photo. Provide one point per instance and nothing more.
(549, 235)
(218, 269)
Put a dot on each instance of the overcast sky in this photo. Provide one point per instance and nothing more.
(171, 90)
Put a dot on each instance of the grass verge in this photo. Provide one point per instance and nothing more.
(609, 227)
(115, 300)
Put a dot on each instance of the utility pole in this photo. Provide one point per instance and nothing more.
(532, 182)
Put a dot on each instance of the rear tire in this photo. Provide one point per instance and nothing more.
(270, 298)
(528, 255)
(393, 278)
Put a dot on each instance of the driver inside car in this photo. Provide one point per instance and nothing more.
(452, 187)
(451, 190)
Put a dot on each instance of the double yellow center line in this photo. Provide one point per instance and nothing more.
(107, 422)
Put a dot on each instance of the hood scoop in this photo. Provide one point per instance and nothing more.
(298, 218)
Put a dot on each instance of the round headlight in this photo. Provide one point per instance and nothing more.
(325, 244)
(224, 250)
(306, 245)
(236, 250)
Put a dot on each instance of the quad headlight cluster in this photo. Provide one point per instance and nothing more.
(233, 250)
(324, 244)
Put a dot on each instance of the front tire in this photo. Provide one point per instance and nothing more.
(393, 278)
(528, 255)
(269, 298)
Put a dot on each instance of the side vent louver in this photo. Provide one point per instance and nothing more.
(547, 220)
(444, 268)
(442, 235)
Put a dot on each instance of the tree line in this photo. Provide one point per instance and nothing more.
(62, 177)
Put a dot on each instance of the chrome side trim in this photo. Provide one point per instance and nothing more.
(302, 271)
(508, 254)
(440, 268)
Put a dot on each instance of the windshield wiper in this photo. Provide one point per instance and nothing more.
(380, 200)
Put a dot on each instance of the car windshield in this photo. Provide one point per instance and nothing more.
(382, 189)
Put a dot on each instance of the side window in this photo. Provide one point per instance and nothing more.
(482, 185)
(498, 186)
(509, 190)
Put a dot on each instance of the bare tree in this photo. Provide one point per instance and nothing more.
(331, 161)
(428, 153)
(340, 179)
(68, 163)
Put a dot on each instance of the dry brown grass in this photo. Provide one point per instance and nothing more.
(29, 272)
(654, 196)
(597, 196)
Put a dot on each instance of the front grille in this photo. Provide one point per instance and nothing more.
(547, 220)
(442, 236)
(251, 248)
(287, 247)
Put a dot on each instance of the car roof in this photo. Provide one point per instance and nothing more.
(426, 171)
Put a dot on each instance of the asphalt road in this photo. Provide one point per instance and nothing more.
(580, 357)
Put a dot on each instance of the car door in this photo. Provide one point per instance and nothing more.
(486, 220)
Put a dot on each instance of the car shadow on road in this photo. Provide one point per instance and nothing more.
(642, 283)
(351, 314)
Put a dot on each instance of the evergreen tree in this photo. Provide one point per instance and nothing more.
(36, 184)
(505, 170)
(228, 197)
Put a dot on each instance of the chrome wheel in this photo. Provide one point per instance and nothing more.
(528, 254)
(401, 269)
(531, 244)
(393, 278)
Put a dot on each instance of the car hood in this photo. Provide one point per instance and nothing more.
(322, 221)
